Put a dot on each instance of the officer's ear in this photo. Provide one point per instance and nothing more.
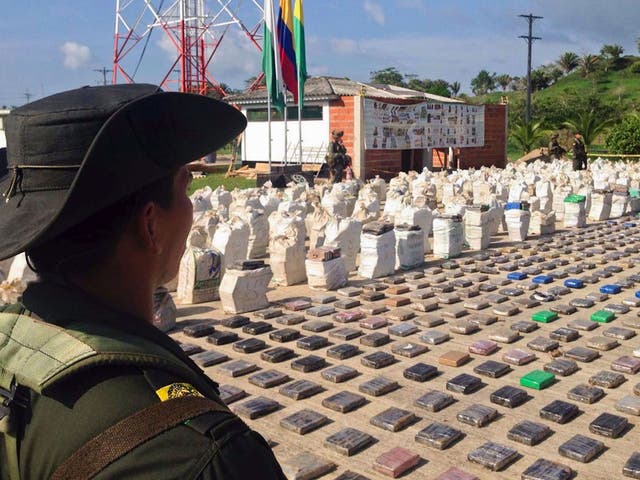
(146, 228)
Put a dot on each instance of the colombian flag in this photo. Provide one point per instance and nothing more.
(270, 58)
(287, 50)
(301, 56)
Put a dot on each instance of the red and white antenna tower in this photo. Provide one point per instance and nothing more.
(194, 29)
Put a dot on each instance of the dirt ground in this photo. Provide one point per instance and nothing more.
(593, 248)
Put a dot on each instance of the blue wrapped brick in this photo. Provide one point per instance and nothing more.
(516, 276)
(573, 283)
(610, 289)
(542, 279)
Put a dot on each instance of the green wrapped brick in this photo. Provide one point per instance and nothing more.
(602, 316)
(544, 316)
(573, 198)
(537, 379)
(634, 192)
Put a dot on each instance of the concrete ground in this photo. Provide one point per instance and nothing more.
(596, 249)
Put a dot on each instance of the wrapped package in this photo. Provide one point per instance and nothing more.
(199, 275)
(420, 216)
(380, 187)
(600, 205)
(245, 290)
(377, 254)
(517, 224)
(317, 222)
(286, 248)
(20, 270)
(477, 227)
(542, 223)
(326, 275)
(448, 236)
(232, 241)
(575, 214)
(619, 204)
(344, 233)
(258, 224)
(409, 247)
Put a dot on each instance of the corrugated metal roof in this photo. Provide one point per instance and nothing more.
(331, 88)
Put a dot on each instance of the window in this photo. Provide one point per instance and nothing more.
(308, 113)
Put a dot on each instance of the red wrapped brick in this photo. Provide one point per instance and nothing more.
(396, 461)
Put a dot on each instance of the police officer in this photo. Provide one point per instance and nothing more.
(579, 152)
(555, 150)
(96, 195)
(337, 158)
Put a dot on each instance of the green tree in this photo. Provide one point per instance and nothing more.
(436, 87)
(540, 79)
(483, 83)
(455, 88)
(528, 136)
(589, 123)
(611, 54)
(388, 76)
(589, 63)
(504, 80)
(568, 62)
(625, 137)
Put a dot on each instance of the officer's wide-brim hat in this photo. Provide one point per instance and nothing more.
(72, 154)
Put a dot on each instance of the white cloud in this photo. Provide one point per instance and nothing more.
(344, 46)
(374, 11)
(75, 55)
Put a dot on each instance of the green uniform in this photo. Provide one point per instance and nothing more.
(72, 412)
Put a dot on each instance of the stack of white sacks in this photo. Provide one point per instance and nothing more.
(442, 212)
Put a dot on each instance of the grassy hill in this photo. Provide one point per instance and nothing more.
(612, 93)
(614, 87)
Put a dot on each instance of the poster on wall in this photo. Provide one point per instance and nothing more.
(422, 125)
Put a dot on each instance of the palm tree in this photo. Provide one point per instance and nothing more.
(483, 83)
(588, 63)
(611, 54)
(455, 88)
(504, 80)
(568, 62)
(588, 124)
(527, 135)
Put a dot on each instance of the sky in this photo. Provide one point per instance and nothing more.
(55, 45)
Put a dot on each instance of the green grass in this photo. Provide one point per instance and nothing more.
(214, 180)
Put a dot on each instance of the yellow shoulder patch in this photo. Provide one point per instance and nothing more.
(177, 390)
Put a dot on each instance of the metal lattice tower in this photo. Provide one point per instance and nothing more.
(193, 28)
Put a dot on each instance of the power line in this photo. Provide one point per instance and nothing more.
(104, 72)
(530, 39)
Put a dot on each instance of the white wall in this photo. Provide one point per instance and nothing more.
(315, 138)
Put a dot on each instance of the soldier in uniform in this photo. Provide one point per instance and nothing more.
(96, 195)
(579, 152)
(337, 157)
(555, 149)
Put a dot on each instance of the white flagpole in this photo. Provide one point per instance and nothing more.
(269, 124)
(300, 100)
(285, 129)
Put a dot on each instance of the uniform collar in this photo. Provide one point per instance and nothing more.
(61, 303)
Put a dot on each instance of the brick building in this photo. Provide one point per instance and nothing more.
(338, 104)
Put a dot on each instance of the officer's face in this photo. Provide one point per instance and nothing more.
(177, 224)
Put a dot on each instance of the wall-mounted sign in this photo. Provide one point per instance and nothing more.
(422, 125)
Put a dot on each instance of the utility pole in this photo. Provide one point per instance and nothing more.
(27, 94)
(529, 38)
(104, 72)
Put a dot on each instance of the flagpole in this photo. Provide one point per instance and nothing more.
(300, 92)
(285, 129)
(269, 124)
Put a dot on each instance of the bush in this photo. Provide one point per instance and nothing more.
(635, 67)
(625, 137)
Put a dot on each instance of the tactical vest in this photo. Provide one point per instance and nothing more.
(36, 355)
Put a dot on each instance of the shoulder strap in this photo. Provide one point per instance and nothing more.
(115, 442)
